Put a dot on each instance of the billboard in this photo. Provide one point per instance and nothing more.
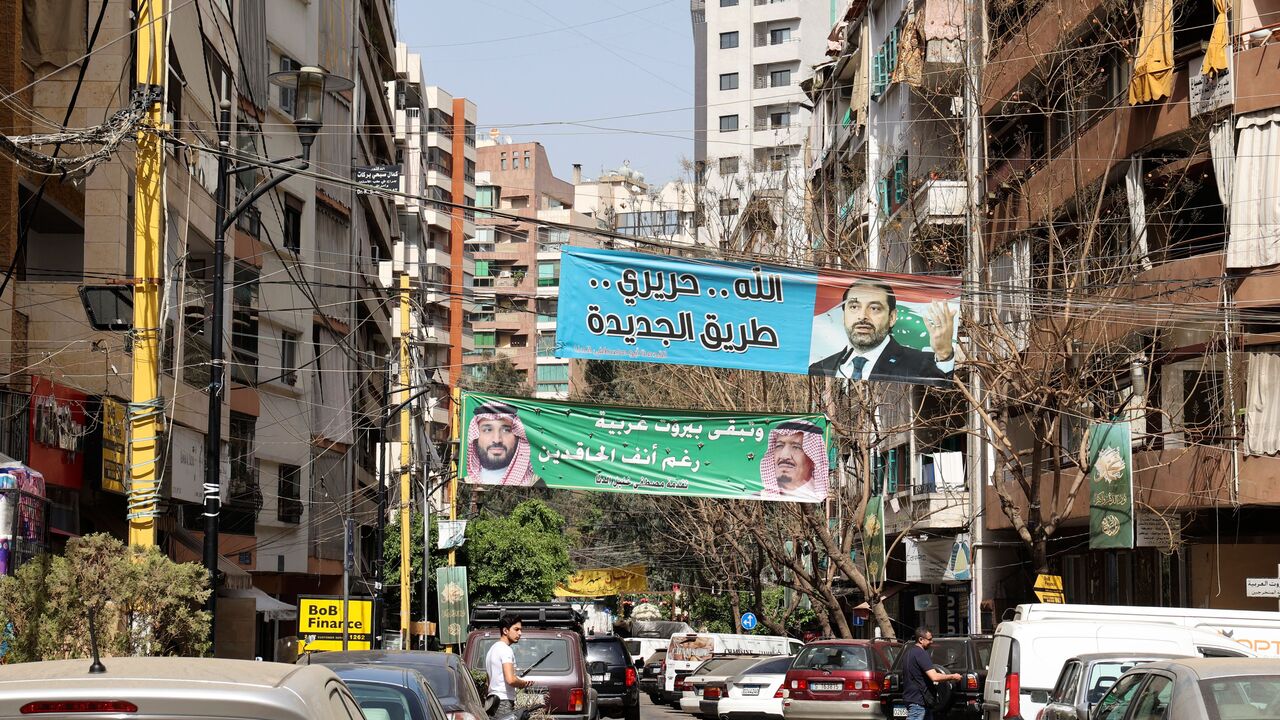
(617, 305)
(652, 451)
(321, 620)
(605, 582)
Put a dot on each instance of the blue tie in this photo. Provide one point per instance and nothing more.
(859, 362)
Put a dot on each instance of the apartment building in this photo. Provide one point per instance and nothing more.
(517, 265)
(750, 116)
(884, 162)
(626, 204)
(307, 325)
(1163, 173)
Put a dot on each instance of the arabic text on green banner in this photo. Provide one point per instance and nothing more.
(1110, 486)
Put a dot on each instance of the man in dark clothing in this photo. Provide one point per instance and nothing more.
(918, 676)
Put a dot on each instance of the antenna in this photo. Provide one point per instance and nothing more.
(97, 667)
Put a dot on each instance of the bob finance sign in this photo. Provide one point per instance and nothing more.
(321, 621)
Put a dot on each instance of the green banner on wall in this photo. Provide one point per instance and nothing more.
(873, 539)
(652, 451)
(452, 599)
(1110, 486)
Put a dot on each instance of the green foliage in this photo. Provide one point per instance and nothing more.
(519, 557)
(715, 612)
(145, 604)
(391, 558)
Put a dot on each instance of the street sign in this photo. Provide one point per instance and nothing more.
(320, 620)
(1262, 587)
(749, 621)
(1049, 589)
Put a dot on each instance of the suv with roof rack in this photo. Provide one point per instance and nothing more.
(552, 652)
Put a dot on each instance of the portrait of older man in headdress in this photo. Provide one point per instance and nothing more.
(795, 466)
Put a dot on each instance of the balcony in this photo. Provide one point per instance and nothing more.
(765, 39)
(940, 202)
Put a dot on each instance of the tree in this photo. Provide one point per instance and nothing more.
(519, 557)
(500, 377)
(142, 603)
(391, 558)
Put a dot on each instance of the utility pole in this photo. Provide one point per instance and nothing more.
(406, 577)
(145, 406)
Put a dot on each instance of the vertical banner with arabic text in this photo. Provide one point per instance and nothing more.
(650, 451)
(452, 599)
(617, 305)
(1110, 486)
(873, 539)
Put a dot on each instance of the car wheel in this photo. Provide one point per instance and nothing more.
(632, 712)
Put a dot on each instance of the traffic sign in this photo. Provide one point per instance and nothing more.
(749, 621)
(1049, 589)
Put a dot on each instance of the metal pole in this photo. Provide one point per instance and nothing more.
(213, 437)
(426, 557)
(384, 459)
(144, 408)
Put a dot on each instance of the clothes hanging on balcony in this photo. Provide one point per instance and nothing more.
(1153, 68)
(1215, 56)
(910, 67)
(1135, 193)
(1222, 148)
(1255, 207)
(1262, 406)
(861, 61)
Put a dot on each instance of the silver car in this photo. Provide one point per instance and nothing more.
(169, 687)
(1195, 689)
(1086, 678)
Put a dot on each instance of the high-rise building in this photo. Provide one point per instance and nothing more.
(624, 203)
(750, 120)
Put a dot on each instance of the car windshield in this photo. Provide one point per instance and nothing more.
(607, 651)
(385, 702)
(1104, 674)
(832, 657)
(1242, 698)
(983, 647)
(772, 666)
(712, 664)
(633, 646)
(531, 649)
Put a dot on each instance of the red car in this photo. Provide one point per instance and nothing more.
(838, 680)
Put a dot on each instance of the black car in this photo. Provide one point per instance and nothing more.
(613, 677)
(651, 674)
(390, 693)
(445, 674)
(964, 654)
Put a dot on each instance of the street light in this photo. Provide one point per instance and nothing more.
(311, 84)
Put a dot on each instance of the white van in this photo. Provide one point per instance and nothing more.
(1026, 656)
(1257, 630)
(687, 651)
(641, 648)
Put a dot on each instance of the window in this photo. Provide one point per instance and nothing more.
(779, 78)
(728, 165)
(289, 492)
(526, 159)
(729, 81)
(728, 123)
(219, 72)
(1114, 705)
(893, 188)
(777, 36)
(547, 310)
(780, 119)
(288, 96)
(553, 378)
(293, 225)
(547, 344)
(243, 491)
(485, 339)
(549, 274)
(728, 40)
(502, 162)
(884, 63)
(728, 207)
(728, 3)
(244, 325)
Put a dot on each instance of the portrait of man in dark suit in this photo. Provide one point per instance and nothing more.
(870, 310)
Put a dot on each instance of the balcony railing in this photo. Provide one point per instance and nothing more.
(765, 39)
(763, 125)
(763, 82)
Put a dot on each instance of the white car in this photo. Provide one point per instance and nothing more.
(756, 694)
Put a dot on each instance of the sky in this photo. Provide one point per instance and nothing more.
(534, 66)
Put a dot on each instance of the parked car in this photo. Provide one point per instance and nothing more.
(838, 680)
(755, 694)
(552, 652)
(613, 677)
(445, 674)
(715, 684)
(964, 654)
(1027, 655)
(651, 675)
(388, 692)
(1195, 689)
(1086, 678)
(170, 687)
(642, 648)
(691, 685)
(686, 652)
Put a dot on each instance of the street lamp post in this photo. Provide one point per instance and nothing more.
(311, 84)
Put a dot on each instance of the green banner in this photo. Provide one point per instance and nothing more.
(873, 539)
(653, 451)
(451, 598)
(1110, 486)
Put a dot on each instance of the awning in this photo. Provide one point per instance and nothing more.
(271, 608)
(233, 576)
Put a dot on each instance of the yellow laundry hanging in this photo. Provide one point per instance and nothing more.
(1153, 67)
(1215, 57)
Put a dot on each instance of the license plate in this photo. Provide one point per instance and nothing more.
(750, 691)
(899, 710)
(827, 686)
(597, 678)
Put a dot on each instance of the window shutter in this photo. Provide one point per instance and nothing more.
(893, 50)
(884, 195)
(900, 180)
(874, 77)
(891, 483)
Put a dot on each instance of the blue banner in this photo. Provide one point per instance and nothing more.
(617, 305)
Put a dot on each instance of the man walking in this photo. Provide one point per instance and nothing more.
(918, 676)
(500, 663)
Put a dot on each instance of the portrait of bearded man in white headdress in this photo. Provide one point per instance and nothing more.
(795, 466)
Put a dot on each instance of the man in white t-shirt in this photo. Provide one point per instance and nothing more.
(500, 663)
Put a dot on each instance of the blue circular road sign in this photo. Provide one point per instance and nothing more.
(749, 621)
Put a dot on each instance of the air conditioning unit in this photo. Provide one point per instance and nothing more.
(926, 602)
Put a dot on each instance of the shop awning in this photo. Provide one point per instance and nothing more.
(271, 608)
(233, 576)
